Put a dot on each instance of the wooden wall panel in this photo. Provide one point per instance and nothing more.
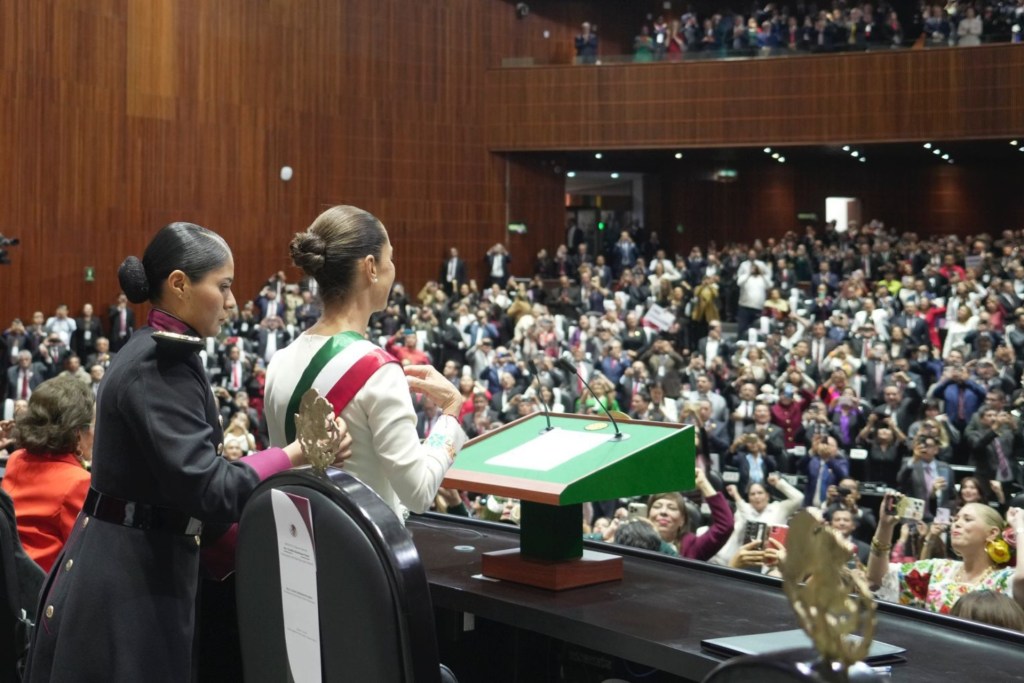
(941, 94)
(118, 116)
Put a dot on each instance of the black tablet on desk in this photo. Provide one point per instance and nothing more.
(778, 641)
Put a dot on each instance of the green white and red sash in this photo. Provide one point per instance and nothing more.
(338, 371)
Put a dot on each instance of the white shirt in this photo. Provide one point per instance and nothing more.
(387, 454)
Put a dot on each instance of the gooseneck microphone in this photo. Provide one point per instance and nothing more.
(566, 365)
(536, 378)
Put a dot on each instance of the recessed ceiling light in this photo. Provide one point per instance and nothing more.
(936, 151)
(1020, 149)
(846, 148)
(946, 157)
(775, 155)
(598, 155)
(927, 145)
(855, 154)
(862, 159)
(615, 176)
(571, 174)
(767, 150)
(782, 160)
(679, 155)
(1013, 142)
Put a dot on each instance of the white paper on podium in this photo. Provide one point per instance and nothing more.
(549, 450)
(297, 560)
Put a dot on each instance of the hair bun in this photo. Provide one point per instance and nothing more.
(132, 276)
(309, 252)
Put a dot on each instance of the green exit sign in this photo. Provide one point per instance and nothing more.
(90, 274)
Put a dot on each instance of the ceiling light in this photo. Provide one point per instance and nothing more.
(846, 148)
(936, 151)
(598, 155)
(615, 176)
(945, 157)
(1013, 142)
(679, 155)
(775, 156)
(1021, 148)
(570, 174)
(782, 160)
(854, 154)
(862, 159)
(767, 150)
(927, 145)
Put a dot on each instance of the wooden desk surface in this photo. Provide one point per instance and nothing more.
(663, 608)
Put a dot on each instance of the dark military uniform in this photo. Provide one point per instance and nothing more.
(120, 603)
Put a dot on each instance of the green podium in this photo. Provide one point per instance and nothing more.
(554, 472)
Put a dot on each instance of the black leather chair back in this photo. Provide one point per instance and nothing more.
(376, 617)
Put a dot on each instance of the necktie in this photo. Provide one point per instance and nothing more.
(1003, 469)
(124, 321)
(879, 371)
(24, 385)
(451, 270)
(961, 405)
(929, 478)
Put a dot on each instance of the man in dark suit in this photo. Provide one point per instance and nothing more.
(996, 447)
(826, 277)
(902, 406)
(565, 298)
(581, 257)
(768, 433)
(913, 324)
(23, 378)
(427, 416)
(271, 337)
(925, 477)
(497, 262)
(237, 371)
(824, 467)
(820, 346)
(713, 345)
(52, 353)
(102, 354)
(482, 417)
(573, 236)
(874, 370)
(453, 272)
(269, 305)
(87, 330)
(122, 323)
(505, 401)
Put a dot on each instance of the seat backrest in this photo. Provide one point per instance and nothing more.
(376, 617)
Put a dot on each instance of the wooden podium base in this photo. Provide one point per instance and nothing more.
(593, 567)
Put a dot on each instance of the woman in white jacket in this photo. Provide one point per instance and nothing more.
(760, 508)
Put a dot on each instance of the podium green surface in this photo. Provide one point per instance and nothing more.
(650, 457)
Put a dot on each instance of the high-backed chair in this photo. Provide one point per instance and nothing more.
(376, 618)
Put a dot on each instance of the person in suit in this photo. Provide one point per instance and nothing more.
(427, 416)
(770, 434)
(902, 406)
(102, 355)
(121, 320)
(924, 476)
(87, 330)
(624, 253)
(826, 277)
(565, 298)
(271, 337)
(996, 449)
(873, 372)
(747, 454)
(505, 401)
(453, 272)
(269, 305)
(483, 416)
(497, 262)
(23, 378)
(713, 345)
(237, 370)
(52, 353)
(824, 467)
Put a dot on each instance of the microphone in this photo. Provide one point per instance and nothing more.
(566, 365)
(543, 403)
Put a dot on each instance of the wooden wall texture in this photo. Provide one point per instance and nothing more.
(118, 116)
(935, 94)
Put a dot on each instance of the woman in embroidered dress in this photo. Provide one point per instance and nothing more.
(977, 536)
(348, 252)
